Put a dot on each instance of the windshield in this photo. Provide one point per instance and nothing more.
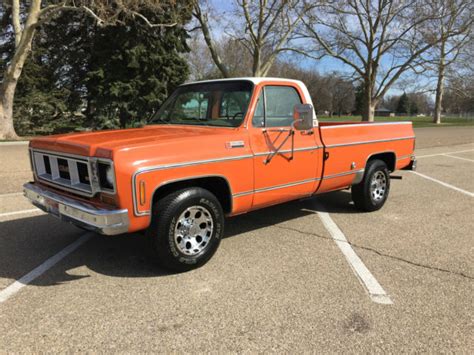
(221, 104)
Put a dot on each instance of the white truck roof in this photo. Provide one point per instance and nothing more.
(253, 79)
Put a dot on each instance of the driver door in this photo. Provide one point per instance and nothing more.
(286, 165)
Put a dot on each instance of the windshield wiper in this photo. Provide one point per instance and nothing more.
(156, 119)
(182, 120)
(194, 119)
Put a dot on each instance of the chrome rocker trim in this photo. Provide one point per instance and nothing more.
(84, 215)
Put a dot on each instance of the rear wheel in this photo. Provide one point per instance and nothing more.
(372, 192)
(186, 229)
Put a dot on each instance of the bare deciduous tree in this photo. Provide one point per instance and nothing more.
(265, 29)
(27, 17)
(332, 93)
(238, 60)
(200, 13)
(456, 16)
(343, 96)
(199, 60)
(459, 96)
(379, 39)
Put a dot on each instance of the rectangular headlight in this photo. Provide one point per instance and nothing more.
(106, 176)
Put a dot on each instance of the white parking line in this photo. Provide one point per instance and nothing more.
(8, 214)
(470, 194)
(376, 292)
(12, 194)
(14, 143)
(437, 154)
(461, 158)
(38, 271)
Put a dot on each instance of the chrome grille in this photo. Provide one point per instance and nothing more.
(70, 172)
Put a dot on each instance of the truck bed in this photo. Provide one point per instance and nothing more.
(349, 145)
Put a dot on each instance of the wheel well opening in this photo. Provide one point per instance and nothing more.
(388, 158)
(215, 184)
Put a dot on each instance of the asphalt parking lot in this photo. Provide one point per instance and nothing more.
(279, 281)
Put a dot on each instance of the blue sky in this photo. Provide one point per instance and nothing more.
(324, 65)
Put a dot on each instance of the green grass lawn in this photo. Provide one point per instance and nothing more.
(417, 121)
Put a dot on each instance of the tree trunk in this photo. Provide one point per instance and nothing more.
(369, 104)
(13, 71)
(439, 92)
(439, 99)
(210, 43)
(7, 94)
(256, 67)
(369, 113)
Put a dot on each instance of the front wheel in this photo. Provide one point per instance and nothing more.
(186, 229)
(372, 192)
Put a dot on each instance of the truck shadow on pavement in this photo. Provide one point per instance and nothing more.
(28, 242)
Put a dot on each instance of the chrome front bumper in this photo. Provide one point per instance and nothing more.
(84, 215)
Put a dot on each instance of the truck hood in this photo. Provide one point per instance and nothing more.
(103, 143)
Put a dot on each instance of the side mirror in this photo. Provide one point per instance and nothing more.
(303, 117)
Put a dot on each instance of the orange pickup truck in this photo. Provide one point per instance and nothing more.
(215, 148)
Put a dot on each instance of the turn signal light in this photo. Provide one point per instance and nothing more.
(142, 193)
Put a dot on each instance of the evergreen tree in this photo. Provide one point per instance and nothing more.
(359, 99)
(48, 98)
(133, 69)
(403, 104)
(413, 107)
(83, 76)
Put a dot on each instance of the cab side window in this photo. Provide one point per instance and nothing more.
(275, 106)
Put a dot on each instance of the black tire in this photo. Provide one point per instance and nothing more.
(166, 216)
(363, 193)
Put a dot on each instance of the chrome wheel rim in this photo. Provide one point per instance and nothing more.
(193, 230)
(378, 186)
